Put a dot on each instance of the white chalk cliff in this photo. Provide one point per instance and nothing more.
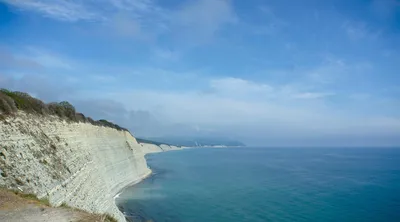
(79, 164)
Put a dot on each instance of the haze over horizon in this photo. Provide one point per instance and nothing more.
(277, 73)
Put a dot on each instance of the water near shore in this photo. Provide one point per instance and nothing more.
(254, 185)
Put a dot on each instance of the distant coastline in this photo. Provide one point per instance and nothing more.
(193, 142)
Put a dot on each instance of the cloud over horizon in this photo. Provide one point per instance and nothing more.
(267, 74)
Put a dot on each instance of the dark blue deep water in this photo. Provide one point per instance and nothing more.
(268, 184)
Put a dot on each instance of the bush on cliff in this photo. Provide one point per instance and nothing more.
(25, 102)
(7, 104)
(79, 117)
(56, 109)
(11, 102)
(63, 110)
(69, 110)
(104, 122)
(90, 120)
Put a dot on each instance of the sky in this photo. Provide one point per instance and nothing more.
(265, 72)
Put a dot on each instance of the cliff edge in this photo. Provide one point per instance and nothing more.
(79, 164)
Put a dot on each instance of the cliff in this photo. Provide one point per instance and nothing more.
(75, 163)
(153, 148)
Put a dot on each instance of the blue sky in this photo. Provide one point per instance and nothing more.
(276, 73)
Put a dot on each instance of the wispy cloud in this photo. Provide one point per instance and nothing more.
(196, 21)
(236, 86)
(9, 60)
(248, 90)
(57, 9)
(72, 11)
(360, 30)
(48, 59)
(235, 106)
(133, 5)
(203, 18)
(312, 95)
(125, 26)
(235, 113)
(334, 71)
(167, 54)
(241, 68)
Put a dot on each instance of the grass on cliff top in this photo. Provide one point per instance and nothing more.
(11, 102)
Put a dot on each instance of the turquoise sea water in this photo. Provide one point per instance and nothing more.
(268, 184)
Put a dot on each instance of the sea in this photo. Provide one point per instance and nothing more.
(268, 184)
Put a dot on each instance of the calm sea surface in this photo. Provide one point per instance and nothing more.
(268, 184)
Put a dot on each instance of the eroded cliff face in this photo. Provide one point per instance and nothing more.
(79, 164)
(151, 148)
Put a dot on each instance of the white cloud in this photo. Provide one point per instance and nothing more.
(125, 26)
(203, 18)
(248, 90)
(57, 9)
(236, 86)
(231, 115)
(334, 71)
(360, 30)
(10, 60)
(239, 107)
(312, 95)
(52, 61)
(328, 72)
(72, 11)
(133, 5)
(167, 54)
(195, 22)
(47, 59)
(137, 18)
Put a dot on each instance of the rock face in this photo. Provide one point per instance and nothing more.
(151, 148)
(79, 164)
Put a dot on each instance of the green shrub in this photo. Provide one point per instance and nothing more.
(69, 110)
(56, 109)
(25, 102)
(7, 104)
(11, 102)
(79, 117)
(106, 123)
(63, 110)
(90, 120)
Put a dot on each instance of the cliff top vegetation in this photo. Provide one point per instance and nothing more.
(12, 101)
